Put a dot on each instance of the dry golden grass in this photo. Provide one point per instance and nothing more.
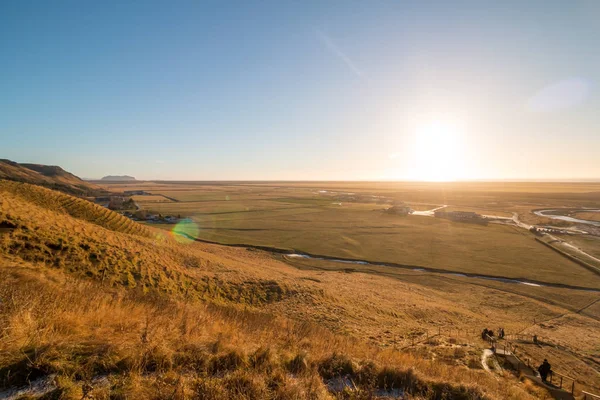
(156, 347)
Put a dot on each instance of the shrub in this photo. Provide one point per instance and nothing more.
(336, 365)
(367, 374)
(392, 378)
(157, 359)
(191, 357)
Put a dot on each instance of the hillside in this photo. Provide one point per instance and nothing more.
(96, 298)
(50, 176)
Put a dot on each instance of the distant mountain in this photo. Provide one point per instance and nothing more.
(118, 178)
(50, 176)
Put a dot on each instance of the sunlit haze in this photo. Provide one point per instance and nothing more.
(318, 90)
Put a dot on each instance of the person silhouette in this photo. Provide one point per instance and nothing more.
(544, 370)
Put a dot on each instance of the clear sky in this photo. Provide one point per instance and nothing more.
(311, 90)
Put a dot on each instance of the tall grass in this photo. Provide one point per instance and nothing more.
(153, 346)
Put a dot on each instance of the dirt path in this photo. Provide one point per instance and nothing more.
(488, 356)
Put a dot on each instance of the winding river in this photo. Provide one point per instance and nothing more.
(546, 213)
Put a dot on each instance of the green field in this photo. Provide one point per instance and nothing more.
(346, 220)
(422, 241)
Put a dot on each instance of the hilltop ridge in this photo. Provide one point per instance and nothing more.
(50, 176)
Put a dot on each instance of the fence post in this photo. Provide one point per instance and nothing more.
(561, 382)
(573, 388)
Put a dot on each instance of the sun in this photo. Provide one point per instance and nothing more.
(438, 152)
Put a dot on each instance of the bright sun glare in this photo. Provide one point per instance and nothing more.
(438, 152)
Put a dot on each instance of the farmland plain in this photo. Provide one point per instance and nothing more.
(347, 220)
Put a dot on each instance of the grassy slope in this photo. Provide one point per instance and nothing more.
(82, 328)
(161, 348)
(62, 231)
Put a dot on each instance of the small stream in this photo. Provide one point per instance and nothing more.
(545, 213)
(428, 213)
(442, 272)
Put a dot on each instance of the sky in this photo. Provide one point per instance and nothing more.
(303, 90)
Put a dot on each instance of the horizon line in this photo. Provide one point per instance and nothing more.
(506, 180)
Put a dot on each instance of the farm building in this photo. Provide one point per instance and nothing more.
(462, 216)
(399, 210)
(116, 202)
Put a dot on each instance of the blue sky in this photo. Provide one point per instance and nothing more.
(303, 89)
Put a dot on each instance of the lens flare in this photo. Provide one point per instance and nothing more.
(560, 95)
(185, 231)
(160, 237)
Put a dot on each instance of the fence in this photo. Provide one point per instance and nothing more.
(521, 336)
(492, 341)
(532, 364)
(560, 383)
(430, 333)
(556, 378)
(563, 381)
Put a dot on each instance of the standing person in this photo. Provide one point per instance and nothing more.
(544, 370)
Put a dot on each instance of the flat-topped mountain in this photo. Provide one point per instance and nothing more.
(118, 178)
